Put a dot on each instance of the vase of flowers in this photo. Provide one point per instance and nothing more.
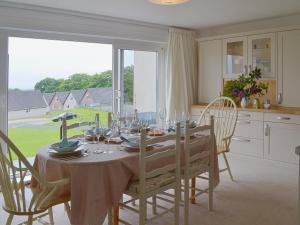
(245, 87)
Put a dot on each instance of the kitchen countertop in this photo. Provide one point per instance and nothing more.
(273, 109)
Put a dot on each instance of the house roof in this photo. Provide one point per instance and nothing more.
(101, 95)
(48, 97)
(19, 100)
(78, 95)
(62, 96)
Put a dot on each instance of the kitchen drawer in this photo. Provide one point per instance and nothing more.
(282, 118)
(249, 128)
(244, 115)
(247, 146)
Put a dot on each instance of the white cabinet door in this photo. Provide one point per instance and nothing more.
(289, 68)
(234, 57)
(261, 54)
(210, 70)
(280, 141)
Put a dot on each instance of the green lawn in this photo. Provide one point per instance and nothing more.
(30, 141)
(87, 114)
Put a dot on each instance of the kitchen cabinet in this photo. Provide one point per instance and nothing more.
(234, 56)
(269, 135)
(261, 54)
(280, 141)
(289, 68)
(242, 54)
(210, 70)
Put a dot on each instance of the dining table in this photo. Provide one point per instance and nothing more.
(99, 176)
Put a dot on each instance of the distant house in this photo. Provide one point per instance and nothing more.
(23, 104)
(74, 99)
(58, 101)
(97, 96)
(48, 99)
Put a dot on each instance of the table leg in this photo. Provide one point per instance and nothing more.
(116, 215)
(193, 191)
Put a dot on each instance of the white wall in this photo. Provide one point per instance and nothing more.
(292, 20)
(145, 79)
(16, 16)
(21, 114)
(70, 102)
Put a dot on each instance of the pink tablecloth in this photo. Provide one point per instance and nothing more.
(97, 180)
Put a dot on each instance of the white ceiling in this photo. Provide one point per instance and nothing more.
(194, 14)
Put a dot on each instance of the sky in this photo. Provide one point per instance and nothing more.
(31, 60)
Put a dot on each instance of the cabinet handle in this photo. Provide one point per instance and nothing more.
(244, 115)
(266, 130)
(241, 139)
(283, 118)
(279, 98)
(243, 122)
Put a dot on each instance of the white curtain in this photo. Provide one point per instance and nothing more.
(181, 72)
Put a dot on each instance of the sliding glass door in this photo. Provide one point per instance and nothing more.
(137, 82)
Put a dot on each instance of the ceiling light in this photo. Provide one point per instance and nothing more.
(168, 2)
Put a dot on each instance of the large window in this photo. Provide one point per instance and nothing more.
(138, 82)
(48, 78)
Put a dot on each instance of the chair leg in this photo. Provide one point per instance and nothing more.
(9, 219)
(154, 208)
(227, 165)
(143, 211)
(116, 215)
(68, 210)
(186, 201)
(177, 202)
(51, 219)
(29, 221)
(193, 191)
(210, 192)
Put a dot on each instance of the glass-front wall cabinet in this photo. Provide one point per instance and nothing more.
(235, 56)
(261, 53)
(242, 54)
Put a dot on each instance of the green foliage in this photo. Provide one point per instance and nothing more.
(246, 86)
(128, 84)
(47, 85)
(81, 81)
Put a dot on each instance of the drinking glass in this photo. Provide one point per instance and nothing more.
(83, 129)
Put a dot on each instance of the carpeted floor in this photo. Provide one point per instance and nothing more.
(264, 193)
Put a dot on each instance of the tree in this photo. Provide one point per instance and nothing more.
(128, 83)
(47, 85)
(81, 81)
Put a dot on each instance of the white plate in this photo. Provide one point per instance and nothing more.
(65, 153)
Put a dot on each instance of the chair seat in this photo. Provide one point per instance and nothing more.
(197, 167)
(29, 192)
(152, 183)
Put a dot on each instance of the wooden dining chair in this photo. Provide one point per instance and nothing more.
(19, 198)
(65, 127)
(197, 163)
(225, 115)
(151, 183)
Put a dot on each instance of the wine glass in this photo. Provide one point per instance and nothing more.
(83, 129)
(162, 116)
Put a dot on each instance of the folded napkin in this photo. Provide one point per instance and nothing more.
(132, 141)
(65, 145)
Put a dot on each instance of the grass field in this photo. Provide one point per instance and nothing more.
(31, 140)
(87, 114)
